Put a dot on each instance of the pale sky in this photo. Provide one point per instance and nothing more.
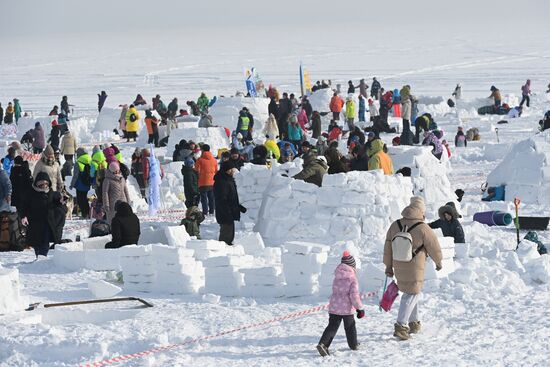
(37, 18)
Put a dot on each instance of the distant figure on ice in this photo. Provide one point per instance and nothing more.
(448, 222)
(410, 274)
(16, 109)
(113, 189)
(140, 101)
(460, 138)
(124, 226)
(190, 183)
(375, 89)
(8, 116)
(350, 113)
(407, 137)
(495, 95)
(525, 93)
(345, 301)
(132, 123)
(152, 174)
(336, 105)
(457, 92)
(351, 87)
(101, 98)
(151, 122)
(228, 209)
(65, 106)
(202, 103)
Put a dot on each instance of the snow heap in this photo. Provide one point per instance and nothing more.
(10, 299)
(320, 100)
(429, 175)
(525, 171)
(251, 183)
(536, 265)
(225, 112)
(433, 277)
(302, 263)
(213, 136)
(347, 207)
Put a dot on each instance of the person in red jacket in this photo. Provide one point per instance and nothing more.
(336, 105)
(206, 167)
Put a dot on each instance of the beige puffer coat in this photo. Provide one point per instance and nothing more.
(68, 144)
(53, 170)
(410, 275)
(113, 189)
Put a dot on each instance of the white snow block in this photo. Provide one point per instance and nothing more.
(69, 256)
(527, 251)
(134, 250)
(101, 260)
(171, 253)
(176, 235)
(251, 242)
(272, 255)
(539, 269)
(10, 298)
(462, 250)
(301, 247)
(228, 261)
(311, 263)
(152, 235)
(335, 180)
(448, 266)
(262, 291)
(211, 298)
(103, 289)
(206, 245)
(95, 243)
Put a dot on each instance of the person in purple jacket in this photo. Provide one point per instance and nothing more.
(344, 302)
(525, 93)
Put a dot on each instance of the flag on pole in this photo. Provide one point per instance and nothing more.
(305, 81)
(250, 85)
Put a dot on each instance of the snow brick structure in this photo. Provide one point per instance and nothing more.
(302, 263)
(348, 206)
(216, 137)
(252, 181)
(225, 112)
(525, 171)
(429, 175)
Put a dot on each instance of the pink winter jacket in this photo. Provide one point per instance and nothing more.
(302, 119)
(345, 292)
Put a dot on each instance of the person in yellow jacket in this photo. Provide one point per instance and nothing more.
(272, 147)
(378, 158)
(132, 123)
(350, 113)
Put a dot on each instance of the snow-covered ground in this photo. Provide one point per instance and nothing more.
(492, 311)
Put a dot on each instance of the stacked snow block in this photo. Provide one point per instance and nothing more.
(252, 180)
(138, 268)
(88, 254)
(10, 298)
(348, 206)
(253, 244)
(448, 265)
(302, 264)
(177, 271)
(222, 274)
(205, 249)
(264, 282)
(428, 174)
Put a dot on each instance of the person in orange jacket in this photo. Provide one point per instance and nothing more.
(152, 128)
(336, 105)
(206, 167)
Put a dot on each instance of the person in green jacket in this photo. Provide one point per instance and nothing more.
(17, 108)
(313, 170)
(350, 113)
(202, 103)
(192, 221)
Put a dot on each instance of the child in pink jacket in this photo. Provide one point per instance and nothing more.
(344, 302)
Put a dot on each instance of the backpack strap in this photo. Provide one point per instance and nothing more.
(421, 247)
(399, 225)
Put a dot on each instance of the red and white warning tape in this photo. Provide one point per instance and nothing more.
(163, 348)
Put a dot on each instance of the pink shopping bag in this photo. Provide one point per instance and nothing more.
(389, 296)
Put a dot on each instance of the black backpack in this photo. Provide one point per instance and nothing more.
(85, 176)
(100, 228)
(12, 232)
(133, 117)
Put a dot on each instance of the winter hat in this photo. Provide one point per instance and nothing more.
(114, 167)
(371, 134)
(37, 124)
(348, 259)
(109, 155)
(48, 151)
(460, 128)
(80, 152)
(18, 160)
(227, 165)
(418, 203)
(396, 140)
(54, 123)
(95, 149)
(189, 162)
(306, 144)
(234, 151)
(438, 134)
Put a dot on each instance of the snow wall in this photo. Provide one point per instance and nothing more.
(525, 171)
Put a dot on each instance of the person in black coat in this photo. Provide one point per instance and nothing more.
(360, 161)
(55, 136)
(101, 98)
(306, 105)
(124, 226)
(273, 108)
(448, 222)
(44, 214)
(21, 182)
(285, 108)
(226, 197)
(356, 133)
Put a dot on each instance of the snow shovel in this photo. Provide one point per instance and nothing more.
(34, 306)
(516, 204)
